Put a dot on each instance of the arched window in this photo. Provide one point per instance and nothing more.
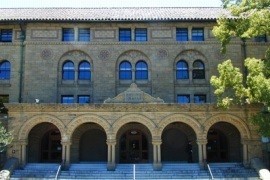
(198, 70)
(125, 71)
(68, 71)
(141, 70)
(5, 70)
(182, 70)
(84, 71)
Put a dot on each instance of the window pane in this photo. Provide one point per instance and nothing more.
(5, 70)
(68, 34)
(182, 70)
(181, 34)
(140, 34)
(6, 35)
(84, 71)
(197, 34)
(198, 70)
(83, 99)
(125, 71)
(199, 98)
(84, 35)
(68, 71)
(183, 99)
(141, 70)
(67, 99)
(124, 34)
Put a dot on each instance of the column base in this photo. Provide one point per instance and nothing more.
(157, 166)
(111, 166)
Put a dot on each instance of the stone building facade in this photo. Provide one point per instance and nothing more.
(121, 85)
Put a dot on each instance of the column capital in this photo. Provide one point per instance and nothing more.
(111, 141)
(202, 141)
(23, 141)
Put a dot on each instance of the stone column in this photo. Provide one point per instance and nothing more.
(66, 151)
(157, 165)
(245, 152)
(23, 144)
(202, 151)
(111, 154)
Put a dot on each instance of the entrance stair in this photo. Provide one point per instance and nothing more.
(232, 171)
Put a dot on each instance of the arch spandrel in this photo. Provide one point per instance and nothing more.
(32, 122)
(234, 120)
(75, 123)
(193, 123)
(137, 118)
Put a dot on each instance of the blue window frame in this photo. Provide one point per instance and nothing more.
(67, 34)
(83, 99)
(198, 71)
(124, 34)
(84, 34)
(199, 98)
(197, 34)
(141, 72)
(84, 72)
(6, 35)
(182, 70)
(181, 34)
(67, 99)
(68, 72)
(5, 70)
(140, 34)
(125, 71)
(183, 98)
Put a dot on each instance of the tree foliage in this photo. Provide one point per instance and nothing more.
(5, 136)
(250, 18)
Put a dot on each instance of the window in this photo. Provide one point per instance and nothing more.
(83, 99)
(261, 38)
(182, 70)
(181, 34)
(198, 70)
(68, 71)
(68, 34)
(124, 34)
(197, 34)
(5, 70)
(84, 34)
(140, 34)
(199, 98)
(141, 70)
(67, 99)
(84, 71)
(4, 98)
(125, 71)
(6, 35)
(183, 98)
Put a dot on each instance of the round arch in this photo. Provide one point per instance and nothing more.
(32, 122)
(240, 125)
(133, 56)
(193, 123)
(71, 127)
(134, 118)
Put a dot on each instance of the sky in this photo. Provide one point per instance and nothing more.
(108, 3)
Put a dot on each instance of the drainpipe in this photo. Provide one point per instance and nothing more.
(21, 70)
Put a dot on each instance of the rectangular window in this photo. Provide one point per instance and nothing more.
(199, 98)
(183, 98)
(67, 99)
(68, 34)
(4, 98)
(6, 35)
(83, 99)
(181, 34)
(84, 34)
(140, 34)
(197, 34)
(261, 38)
(124, 34)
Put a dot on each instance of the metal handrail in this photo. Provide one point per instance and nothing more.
(58, 171)
(209, 169)
(134, 172)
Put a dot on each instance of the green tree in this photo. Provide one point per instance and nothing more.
(250, 18)
(5, 136)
